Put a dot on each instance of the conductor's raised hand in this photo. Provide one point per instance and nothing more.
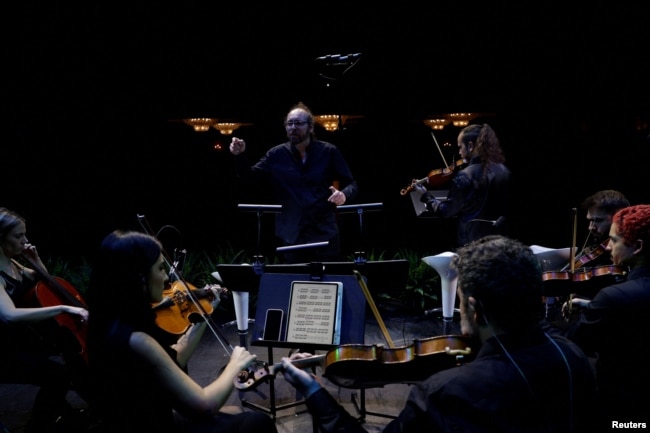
(337, 197)
(237, 146)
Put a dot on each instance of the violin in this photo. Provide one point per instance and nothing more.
(436, 178)
(584, 274)
(373, 365)
(178, 308)
(186, 304)
(583, 280)
(588, 255)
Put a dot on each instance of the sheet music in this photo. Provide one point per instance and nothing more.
(315, 312)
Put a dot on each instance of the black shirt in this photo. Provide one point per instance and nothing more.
(302, 188)
(615, 328)
(537, 384)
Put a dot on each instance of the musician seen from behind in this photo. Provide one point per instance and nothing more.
(614, 326)
(521, 380)
(309, 179)
(479, 194)
(32, 346)
(138, 376)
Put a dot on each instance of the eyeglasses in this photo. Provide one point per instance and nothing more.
(298, 123)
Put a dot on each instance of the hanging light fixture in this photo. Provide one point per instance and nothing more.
(437, 123)
(460, 119)
(328, 121)
(200, 124)
(441, 120)
(226, 128)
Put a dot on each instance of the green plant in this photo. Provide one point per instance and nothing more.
(199, 266)
(421, 291)
(422, 285)
(75, 273)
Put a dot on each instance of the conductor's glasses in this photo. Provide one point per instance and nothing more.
(298, 123)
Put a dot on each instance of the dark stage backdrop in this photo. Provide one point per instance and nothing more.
(93, 96)
(74, 185)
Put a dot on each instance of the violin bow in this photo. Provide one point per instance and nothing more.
(572, 258)
(439, 149)
(176, 272)
(573, 242)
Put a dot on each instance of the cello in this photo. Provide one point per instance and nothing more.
(51, 291)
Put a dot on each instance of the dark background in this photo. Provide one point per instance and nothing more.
(93, 94)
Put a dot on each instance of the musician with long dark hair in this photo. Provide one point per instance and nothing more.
(139, 376)
(479, 194)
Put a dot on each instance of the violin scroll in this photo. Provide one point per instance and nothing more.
(252, 377)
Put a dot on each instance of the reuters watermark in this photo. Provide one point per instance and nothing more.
(628, 425)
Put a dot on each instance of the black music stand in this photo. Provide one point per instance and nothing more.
(275, 293)
(359, 255)
(259, 209)
(382, 276)
(302, 246)
(242, 279)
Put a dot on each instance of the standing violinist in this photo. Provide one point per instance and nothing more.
(137, 377)
(521, 379)
(479, 194)
(29, 355)
(614, 325)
